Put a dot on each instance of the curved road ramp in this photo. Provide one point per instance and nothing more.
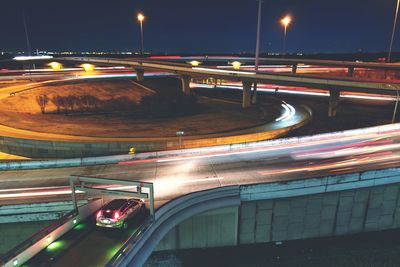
(39, 145)
(309, 208)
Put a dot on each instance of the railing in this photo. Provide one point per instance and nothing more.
(138, 247)
(36, 237)
(33, 245)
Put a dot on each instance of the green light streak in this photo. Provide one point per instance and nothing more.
(80, 226)
(56, 245)
(112, 251)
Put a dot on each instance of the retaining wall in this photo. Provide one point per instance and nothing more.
(308, 208)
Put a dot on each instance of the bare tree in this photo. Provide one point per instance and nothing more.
(57, 101)
(42, 101)
(71, 102)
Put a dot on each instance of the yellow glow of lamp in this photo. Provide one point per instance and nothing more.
(286, 21)
(87, 67)
(140, 17)
(236, 65)
(195, 63)
(55, 66)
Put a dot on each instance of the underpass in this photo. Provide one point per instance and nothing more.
(85, 245)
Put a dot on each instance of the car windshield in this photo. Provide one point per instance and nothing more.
(115, 204)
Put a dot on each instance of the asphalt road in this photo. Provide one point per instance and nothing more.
(173, 177)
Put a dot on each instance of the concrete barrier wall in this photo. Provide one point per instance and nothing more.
(65, 149)
(320, 215)
(41, 244)
(36, 211)
(308, 208)
(215, 228)
(59, 149)
(58, 163)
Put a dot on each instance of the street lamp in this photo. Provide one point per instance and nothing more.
(257, 56)
(393, 31)
(55, 66)
(88, 67)
(141, 18)
(286, 22)
(195, 63)
(236, 65)
(180, 134)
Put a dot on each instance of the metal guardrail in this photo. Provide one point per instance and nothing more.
(60, 163)
(36, 237)
(138, 247)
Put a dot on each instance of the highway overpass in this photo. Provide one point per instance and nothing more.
(279, 161)
(248, 78)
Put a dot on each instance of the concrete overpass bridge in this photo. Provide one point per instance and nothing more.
(332, 84)
(251, 193)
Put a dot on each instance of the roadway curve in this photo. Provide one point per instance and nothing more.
(281, 160)
(278, 160)
(18, 139)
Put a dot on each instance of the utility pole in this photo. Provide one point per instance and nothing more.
(393, 32)
(257, 58)
(28, 46)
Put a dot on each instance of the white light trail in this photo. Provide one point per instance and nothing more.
(224, 71)
(288, 113)
(21, 58)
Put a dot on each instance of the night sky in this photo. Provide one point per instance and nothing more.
(198, 26)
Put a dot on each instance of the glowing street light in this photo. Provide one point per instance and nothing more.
(236, 65)
(195, 63)
(180, 134)
(140, 18)
(55, 66)
(87, 67)
(285, 23)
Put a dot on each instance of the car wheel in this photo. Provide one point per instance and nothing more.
(125, 225)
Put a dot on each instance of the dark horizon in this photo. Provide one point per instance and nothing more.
(199, 26)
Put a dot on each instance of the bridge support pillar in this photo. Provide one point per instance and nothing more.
(294, 68)
(254, 94)
(350, 72)
(185, 79)
(333, 102)
(246, 94)
(139, 75)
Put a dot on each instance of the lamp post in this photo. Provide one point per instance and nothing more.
(140, 18)
(285, 22)
(180, 134)
(257, 57)
(393, 32)
(395, 107)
